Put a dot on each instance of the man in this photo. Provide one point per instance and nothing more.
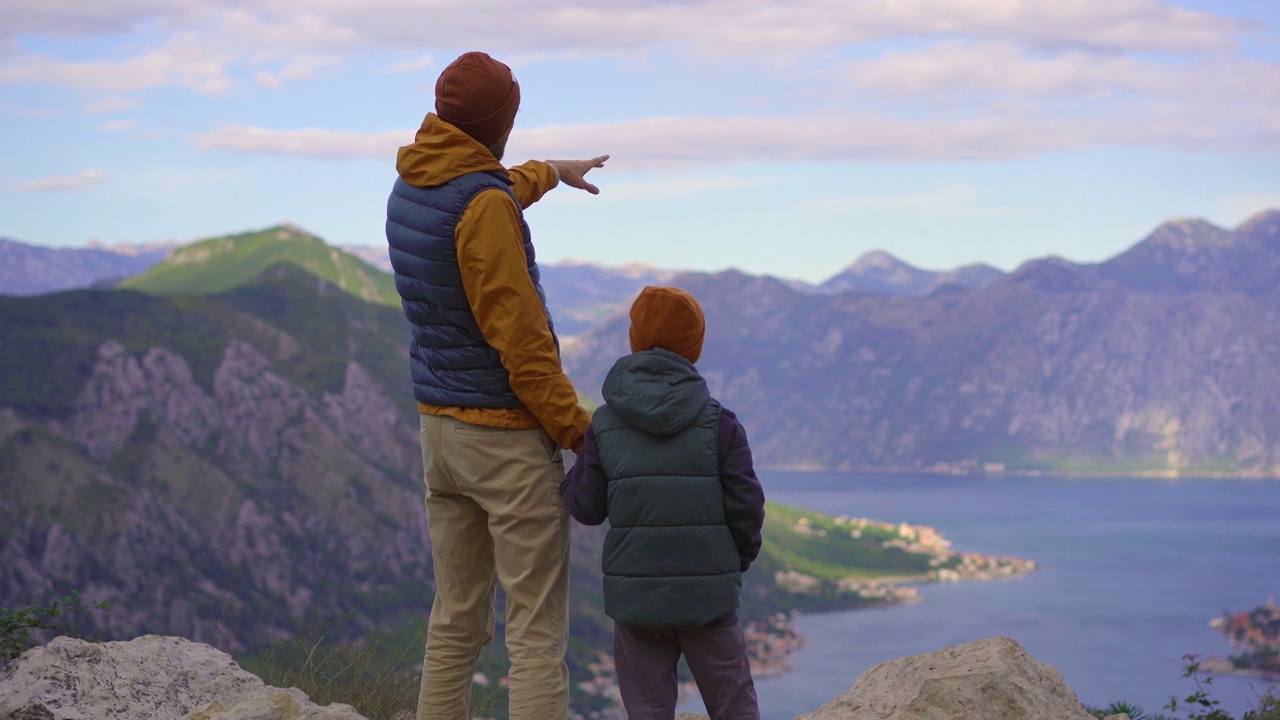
(496, 407)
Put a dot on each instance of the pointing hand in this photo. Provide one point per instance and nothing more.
(573, 172)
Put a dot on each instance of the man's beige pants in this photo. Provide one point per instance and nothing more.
(495, 514)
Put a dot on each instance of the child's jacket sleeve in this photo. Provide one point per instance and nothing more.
(743, 495)
(585, 487)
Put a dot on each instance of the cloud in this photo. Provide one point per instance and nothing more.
(111, 104)
(787, 28)
(309, 142)
(77, 18)
(182, 61)
(778, 28)
(955, 67)
(426, 62)
(681, 143)
(61, 183)
(299, 68)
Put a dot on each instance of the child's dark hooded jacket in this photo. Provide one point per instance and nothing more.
(671, 471)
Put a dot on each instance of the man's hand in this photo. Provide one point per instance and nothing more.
(573, 172)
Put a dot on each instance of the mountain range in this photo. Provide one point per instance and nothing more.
(580, 294)
(1160, 360)
(34, 270)
(1154, 361)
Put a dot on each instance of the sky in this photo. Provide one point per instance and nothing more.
(780, 137)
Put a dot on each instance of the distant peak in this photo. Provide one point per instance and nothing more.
(286, 230)
(1270, 216)
(1185, 233)
(878, 260)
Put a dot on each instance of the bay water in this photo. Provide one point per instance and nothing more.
(1132, 571)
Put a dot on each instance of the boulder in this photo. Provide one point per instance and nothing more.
(148, 678)
(992, 679)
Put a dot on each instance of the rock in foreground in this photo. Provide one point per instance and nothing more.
(149, 678)
(992, 679)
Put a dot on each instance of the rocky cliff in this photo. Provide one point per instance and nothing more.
(230, 512)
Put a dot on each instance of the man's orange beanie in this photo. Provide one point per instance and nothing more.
(669, 318)
(479, 96)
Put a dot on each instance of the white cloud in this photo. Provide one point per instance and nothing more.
(955, 67)
(79, 181)
(426, 62)
(681, 143)
(181, 61)
(75, 17)
(570, 28)
(299, 68)
(111, 104)
(306, 142)
(781, 26)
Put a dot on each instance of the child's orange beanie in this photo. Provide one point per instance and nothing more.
(669, 318)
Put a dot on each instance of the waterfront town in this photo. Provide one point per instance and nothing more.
(1257, 634)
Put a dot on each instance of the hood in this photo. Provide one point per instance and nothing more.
(656, 391)
(441, 152)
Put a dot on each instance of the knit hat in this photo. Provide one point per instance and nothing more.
(669, 318)
(479, 96)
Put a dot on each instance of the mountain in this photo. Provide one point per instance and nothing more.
(33, 270)
(1190, 255)
(1158, 360)
(880, 272)
(228, 467)
(219, 264)
(580, 295)
(375, 255)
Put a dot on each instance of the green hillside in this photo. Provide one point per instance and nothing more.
(219, 264)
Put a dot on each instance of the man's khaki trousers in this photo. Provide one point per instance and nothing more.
(495, 515)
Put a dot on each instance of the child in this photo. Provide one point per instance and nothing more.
(671, 471)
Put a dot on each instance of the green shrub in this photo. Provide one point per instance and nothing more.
(17, 625)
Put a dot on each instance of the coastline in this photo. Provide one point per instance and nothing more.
(967, 470)
(1218, 665)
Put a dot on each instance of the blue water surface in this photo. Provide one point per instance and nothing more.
(1132, 572)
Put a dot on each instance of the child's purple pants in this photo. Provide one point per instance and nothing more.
(646, 662)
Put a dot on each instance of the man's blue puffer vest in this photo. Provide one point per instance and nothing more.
(450, 361)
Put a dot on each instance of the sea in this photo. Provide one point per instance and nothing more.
(1132, 572)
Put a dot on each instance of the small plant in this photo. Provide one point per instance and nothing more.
(1200, 705)
(378, 677)
(1133, 711)
(17, 625)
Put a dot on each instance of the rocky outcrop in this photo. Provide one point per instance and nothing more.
(149, 678)
(992, 679)
(154, 677)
